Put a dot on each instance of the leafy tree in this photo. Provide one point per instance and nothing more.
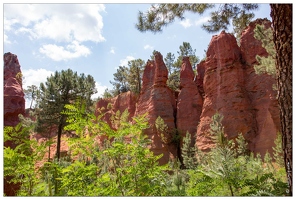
(121, 168)
(20, 162)
(62, 88)
(176, 180)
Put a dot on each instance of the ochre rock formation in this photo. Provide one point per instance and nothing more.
(260, 91)
(224, 91)
(157, 99)
(245, 99)
(14, 104)
(125, 101)
(189, 103)
(14, 101)
(226, 83)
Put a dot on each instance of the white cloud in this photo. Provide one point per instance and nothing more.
(6, 40)
(124, 62)
(202, 20)
(186, 23)
(101, 89)
(34, 77)
(112, 50)
(59, 22)
(58, 53)
(147, 46)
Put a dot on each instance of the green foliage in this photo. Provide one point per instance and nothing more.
(61, 88)
(107, 94)
(189, 153)
(167, 136)
(162, 130)
(176, 180)
(136, 69)
(19, 78)
(278, 151)
(242, 146)
(173, 81)
(174, 66)
(169, 62)
(161, 15)
(120, 84)
(231, 171)
(128, 78)
(240, 14)
(19, 162)
(266, 64)
(123, 165)
(217, 131)
(32, 94)
(186, 50)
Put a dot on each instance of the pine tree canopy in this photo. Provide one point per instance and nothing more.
(161, 15)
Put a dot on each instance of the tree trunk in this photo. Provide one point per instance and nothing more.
(60, 129)
(282, 36)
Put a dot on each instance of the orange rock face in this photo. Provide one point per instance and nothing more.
(125, 101)
(226, 82)
(189, 103)
(224, 91)
(157, 99)
(260, 91)
(14, 101)
(232, 88)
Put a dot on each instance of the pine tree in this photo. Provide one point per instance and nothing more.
(169, 62)
(161, 15)
(120, 83)
(31, 93)
(62, 88)
(186, 50)
(135, 74)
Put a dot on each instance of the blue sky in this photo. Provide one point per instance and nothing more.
(92, 38)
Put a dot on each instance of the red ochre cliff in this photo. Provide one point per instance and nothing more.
(226, 82)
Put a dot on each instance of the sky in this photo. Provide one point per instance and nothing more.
(93, 38)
